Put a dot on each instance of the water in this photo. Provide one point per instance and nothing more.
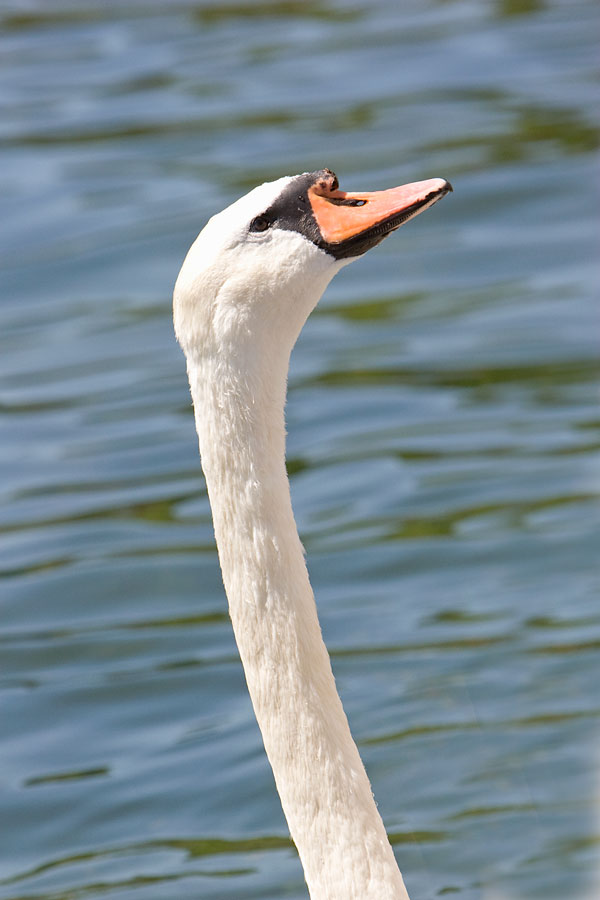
(443, 442)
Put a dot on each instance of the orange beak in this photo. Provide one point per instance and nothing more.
(341, 215)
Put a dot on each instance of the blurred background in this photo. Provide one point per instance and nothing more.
(443, 441)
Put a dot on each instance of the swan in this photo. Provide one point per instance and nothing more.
(246, 288)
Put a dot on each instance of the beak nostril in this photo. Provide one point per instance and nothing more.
(347, 201)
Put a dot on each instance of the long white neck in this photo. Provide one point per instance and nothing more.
(324, 789)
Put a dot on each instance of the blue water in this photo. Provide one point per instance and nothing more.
(443, 442)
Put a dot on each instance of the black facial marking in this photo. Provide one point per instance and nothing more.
(292, 210)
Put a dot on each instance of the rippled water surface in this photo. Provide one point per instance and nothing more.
(443, 442)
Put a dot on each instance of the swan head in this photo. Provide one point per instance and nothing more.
(258, 268)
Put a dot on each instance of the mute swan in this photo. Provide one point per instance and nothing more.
(244, 292)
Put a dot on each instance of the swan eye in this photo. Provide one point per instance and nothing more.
(259, 224)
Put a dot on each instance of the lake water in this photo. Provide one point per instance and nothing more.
(443, 442)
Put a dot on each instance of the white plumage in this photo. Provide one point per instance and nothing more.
(240, 301)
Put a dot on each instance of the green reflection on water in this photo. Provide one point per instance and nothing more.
(213, 13)
(563, 130)
(542, 373)
(67, 776)
(508, 9)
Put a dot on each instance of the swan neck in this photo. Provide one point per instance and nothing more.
(324, 790)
